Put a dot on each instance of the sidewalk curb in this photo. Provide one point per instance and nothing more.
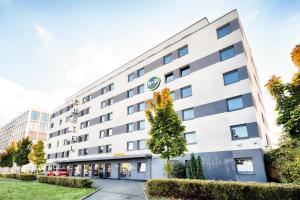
(87, 196)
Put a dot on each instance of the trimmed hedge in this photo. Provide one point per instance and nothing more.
(8, 175)
(26, 177)
(75, 182)
(221, 190)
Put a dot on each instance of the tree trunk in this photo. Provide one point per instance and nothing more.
(20, 169)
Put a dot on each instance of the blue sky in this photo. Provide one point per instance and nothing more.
(51, 49)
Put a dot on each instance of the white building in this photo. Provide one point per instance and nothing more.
(33, 123)
(210, 69)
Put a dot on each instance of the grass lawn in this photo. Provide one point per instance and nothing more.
(11, 189)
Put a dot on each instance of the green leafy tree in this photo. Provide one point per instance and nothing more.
(37, 154)
(22, 152)
(194, 168)
(7, 157)
(166, 133)
(287, 98)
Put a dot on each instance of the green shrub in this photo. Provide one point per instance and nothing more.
(178, 170)
(8, 175)
(75, 182)
(221, 190)
(26, 177)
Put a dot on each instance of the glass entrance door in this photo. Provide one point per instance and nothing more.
(107, 170)
(125, 170)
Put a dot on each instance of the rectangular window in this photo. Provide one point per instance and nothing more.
(130, 77)
(111, 87)
(190, 137)
(141, 72)
(130, 127)
(56, 155)
(183, 51)
(100, 149)
(185, 71)
(85, 137)
(223, 30)
(49, 146)
(108, 148)
(109, 132)
(130, 93)
(85, 151)
(141, 144)
(103, 90)
(141, 167)
(44, 117)
(110, 101)
(231, 77)
(35, 115)
(130, 146)
(173, 95)
(168, 58)
(239, 131)
(79, 152)
(67, 154)
(141, 106)
(102, 119)
(62, 154)
(103, 104)
(186, 91)
(169, 77)
(188, 114)
(235, 103)
(102, 134)
(141, 125)
(140, 89)
(48, 156)
(109, 116)
(244, 165)
(130, 110)
(227, 53)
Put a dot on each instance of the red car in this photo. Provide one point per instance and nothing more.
(59, 172)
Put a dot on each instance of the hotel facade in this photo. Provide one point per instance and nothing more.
(101, 130)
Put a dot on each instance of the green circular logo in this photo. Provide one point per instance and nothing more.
(153, 83)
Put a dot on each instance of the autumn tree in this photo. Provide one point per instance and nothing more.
(287, 98)
(166, 133)
(22, 152)
(7, 157)
(37, 154)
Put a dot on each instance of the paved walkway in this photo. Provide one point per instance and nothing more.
(118, 189)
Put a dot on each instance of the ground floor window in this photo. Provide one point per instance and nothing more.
(244, 165)
(77, 170)
(125, 170)
(141, 167)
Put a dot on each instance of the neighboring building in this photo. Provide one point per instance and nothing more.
(33, 123)
(214, 83)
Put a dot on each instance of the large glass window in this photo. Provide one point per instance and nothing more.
(239, 131)
(188, 114)
(108, 148)
(186, 91)
(43, 126)
(244, 165)
(130, 146)
(141, 72)
(34, 126)
(141, 106)
(141, 125)
(190, 138)
(130, 77)
(231, 77)
(141, 144)
(102, 134)
(185, 71)
(141, 167)
(140, 89)
(183, 51)
(109, 116)
(130, 110)
(235, 103)
(110, 101)
(35, 115)
(111, 87)
(227, 53)
(223, 31)
(168, 58)
(130, 127)
(109, 132)
(173, 95)
(130, 93)
(169, 77)
(100, 149)
(44, 117)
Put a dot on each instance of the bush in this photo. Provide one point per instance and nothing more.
(221, 190)
(178, 170)
(26, 177)
(8, 175)
(75, 182)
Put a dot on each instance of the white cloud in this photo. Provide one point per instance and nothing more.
(45, 35)
(16, 99)
(90, 64)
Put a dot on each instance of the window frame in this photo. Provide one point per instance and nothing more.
(166, 56)
(221, 28)
(130, 142)
(191, 132)
(130, 75)
(232, 98)
(169, 75)
(129, 108)
(183, 119)
(224, 50)
(187, 87)
(139, 164)
(183, 69)
(237, 126)
(182, 48)
(231, 72)
(127, 127)
(139, 70)
(244, 172)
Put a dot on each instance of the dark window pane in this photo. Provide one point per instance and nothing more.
(185, 71)
(186, 92)
(188, 114)
(130, 110)
(169, 77)
(235, 103)
(183, 51)
(224, 30)
(227, 53)
(130, 93)
(141, 72)
(239, 131)
(130, 77)
(231, 77)
(168, 59)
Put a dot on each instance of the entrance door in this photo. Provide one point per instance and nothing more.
(125, 170)
(107, 170)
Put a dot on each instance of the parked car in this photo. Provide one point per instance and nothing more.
(59, 172)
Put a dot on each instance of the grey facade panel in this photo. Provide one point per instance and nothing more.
(234, 25)
(243, 72)
(252, 130)
(210, 108)
(239, 48)
(247, 100)
(119, 129)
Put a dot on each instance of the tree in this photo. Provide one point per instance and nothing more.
(166, 133)
(7, 157)
(194, 168)
(37, 154)
(287, 98)
(22, 152)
